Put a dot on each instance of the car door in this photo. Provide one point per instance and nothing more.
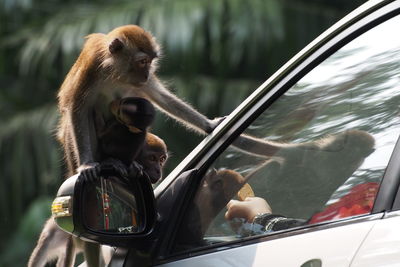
(320, 149)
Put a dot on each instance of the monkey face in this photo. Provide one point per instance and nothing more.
(153, 163)
(133, 53)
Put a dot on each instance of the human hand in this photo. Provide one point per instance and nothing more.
(247, 209)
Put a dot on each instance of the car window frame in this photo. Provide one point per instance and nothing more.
(210, 149)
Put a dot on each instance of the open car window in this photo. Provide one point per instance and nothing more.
(317, 154)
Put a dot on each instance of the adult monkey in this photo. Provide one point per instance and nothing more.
(119, 64)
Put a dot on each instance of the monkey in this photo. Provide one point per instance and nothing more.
(294, 178)
(124, 135)
(124, 138)
(308, 173)
(54, 242)
(305, 173)
(118, 64)
(216, 189)
(153, 157)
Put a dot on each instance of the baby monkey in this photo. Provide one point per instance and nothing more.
(125, 138)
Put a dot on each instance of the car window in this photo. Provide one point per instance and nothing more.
(317, 154)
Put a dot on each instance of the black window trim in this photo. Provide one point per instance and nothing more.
(391, 177)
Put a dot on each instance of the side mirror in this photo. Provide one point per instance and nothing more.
(110, 210)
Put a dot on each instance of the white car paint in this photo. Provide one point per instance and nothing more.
(335, 247)
(382, 245)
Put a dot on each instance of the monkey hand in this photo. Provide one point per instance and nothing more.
(114, 165)
(214, 123)
(90, 171)
(135, 169)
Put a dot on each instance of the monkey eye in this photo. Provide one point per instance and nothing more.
(163, 159)
(143, 62)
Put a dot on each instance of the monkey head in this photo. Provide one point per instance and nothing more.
(133, 112)
(131, 55)
(153, 157)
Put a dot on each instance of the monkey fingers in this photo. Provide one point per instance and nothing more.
(91, 174)
(112, 165)
(214, 123)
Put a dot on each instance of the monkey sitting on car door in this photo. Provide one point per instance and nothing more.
(124, 144)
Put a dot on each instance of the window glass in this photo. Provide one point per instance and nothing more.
(318, 153)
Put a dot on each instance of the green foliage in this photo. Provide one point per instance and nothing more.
(215, 53)
(27, 230)
(29, 162)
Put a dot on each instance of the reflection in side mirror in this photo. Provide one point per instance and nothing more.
(111, 210)
(109, 206)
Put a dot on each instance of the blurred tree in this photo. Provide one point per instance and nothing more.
(215, 53)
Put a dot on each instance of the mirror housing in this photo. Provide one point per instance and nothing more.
(110, 210)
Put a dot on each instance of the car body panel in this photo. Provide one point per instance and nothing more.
(382, 245)
(334, 247)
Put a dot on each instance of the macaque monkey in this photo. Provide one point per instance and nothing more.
(122, 138)
(124, 135)
(55, 243)
(119, 64)
(115, 65)
(125, 138)
(153, 157)
(216, 190)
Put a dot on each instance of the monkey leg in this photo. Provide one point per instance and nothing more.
(50, 245)
(91, 252)
(67, 257)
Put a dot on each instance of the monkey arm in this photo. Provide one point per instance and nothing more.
(177, 108)
(83, 132)
(258, 146)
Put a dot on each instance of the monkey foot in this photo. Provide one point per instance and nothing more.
(112, 166)
(90, 173)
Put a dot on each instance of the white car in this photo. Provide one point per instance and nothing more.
(317, 141)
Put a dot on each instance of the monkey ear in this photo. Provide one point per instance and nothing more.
(115, 46)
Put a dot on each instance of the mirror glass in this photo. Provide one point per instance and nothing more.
(110, 206)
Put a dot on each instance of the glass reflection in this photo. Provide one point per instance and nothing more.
(338, 126)
(111, 207)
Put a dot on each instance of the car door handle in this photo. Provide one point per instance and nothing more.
(312, 263)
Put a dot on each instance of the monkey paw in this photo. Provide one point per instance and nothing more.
(214, 123)
(90, 172)
(112, 165)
